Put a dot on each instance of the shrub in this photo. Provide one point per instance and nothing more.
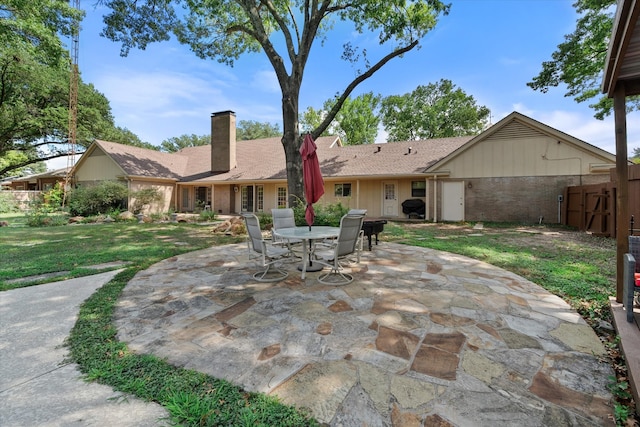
(144, 198)
(7, 203)
(52, 199)
(42, 217)
(93, 200)
(328, 214)
(207, 216)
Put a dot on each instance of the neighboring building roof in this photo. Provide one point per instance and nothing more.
(57, 173)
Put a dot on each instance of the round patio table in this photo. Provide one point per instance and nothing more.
(308, 235)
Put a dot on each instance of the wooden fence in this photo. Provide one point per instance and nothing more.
(592, 208)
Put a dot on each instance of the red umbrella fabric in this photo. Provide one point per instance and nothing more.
(312, 176)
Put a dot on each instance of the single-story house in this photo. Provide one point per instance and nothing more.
(516, 170)
(37, 182)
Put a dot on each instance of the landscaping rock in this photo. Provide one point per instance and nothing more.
(126, 215)
(233, 226)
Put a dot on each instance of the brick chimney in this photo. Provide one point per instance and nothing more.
(223, 141)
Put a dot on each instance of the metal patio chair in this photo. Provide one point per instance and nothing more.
(268, 254)
(340, 249)
(631, 273)
(284, 218)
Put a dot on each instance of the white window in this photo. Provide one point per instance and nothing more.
(259, 198)
(282, 197)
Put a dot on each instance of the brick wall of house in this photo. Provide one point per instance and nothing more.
(519, 199)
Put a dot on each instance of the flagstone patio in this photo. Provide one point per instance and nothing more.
(420, 337)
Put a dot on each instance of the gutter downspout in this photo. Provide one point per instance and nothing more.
(175, 198)
(435, 198)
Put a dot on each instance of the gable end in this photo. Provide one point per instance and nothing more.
(516, 130)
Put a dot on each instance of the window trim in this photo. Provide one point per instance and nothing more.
(422, 190)
(341, 186)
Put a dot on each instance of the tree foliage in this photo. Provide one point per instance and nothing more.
(437, 110)
(250, 129)
(285, 31)
(177, 143)
(34, 87)
(355, 123)
(579, 61)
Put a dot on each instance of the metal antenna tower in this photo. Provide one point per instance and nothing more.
(73, 100)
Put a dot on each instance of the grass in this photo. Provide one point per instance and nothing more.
(74, 248)
(581, 270)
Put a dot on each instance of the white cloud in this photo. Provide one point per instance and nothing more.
(154, 91)
(266, 81)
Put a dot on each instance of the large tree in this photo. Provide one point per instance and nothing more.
(34, 87)
(224, 30)
(579, 61)
(437, 110)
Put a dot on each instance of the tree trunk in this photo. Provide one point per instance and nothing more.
(291, 142)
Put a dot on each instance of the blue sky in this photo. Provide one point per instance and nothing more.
(488, 48)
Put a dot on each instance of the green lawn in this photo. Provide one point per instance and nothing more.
(30, 251)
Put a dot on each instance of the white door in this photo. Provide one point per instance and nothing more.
(389, 198)
(453, 201)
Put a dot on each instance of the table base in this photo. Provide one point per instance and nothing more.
(313, 267)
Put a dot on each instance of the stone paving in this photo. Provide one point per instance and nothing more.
(419, 338)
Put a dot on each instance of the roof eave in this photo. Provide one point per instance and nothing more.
(625, 28)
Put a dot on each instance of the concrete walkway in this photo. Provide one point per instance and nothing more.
(420, 337)
(37, 388)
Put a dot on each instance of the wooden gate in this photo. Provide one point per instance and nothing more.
(592, 208)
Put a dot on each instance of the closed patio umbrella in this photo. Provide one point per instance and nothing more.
(312, 177)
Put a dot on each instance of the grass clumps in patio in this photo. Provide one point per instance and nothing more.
(192, 398)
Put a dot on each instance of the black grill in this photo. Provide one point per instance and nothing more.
(373, 227)
(413, 207)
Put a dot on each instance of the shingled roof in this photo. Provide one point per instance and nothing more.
(142, 162)
(264, 159)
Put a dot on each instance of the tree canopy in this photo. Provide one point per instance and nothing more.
(285, 31)
(251, 129)
(356, 123)
(579, 61)
(34, 89)
(177, 143)
(437, 110)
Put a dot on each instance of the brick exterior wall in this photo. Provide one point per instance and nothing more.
(519, 199)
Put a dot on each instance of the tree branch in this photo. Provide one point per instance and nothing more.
(30, 162)
(336, 107)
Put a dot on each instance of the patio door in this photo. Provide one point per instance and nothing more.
(390, 198)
